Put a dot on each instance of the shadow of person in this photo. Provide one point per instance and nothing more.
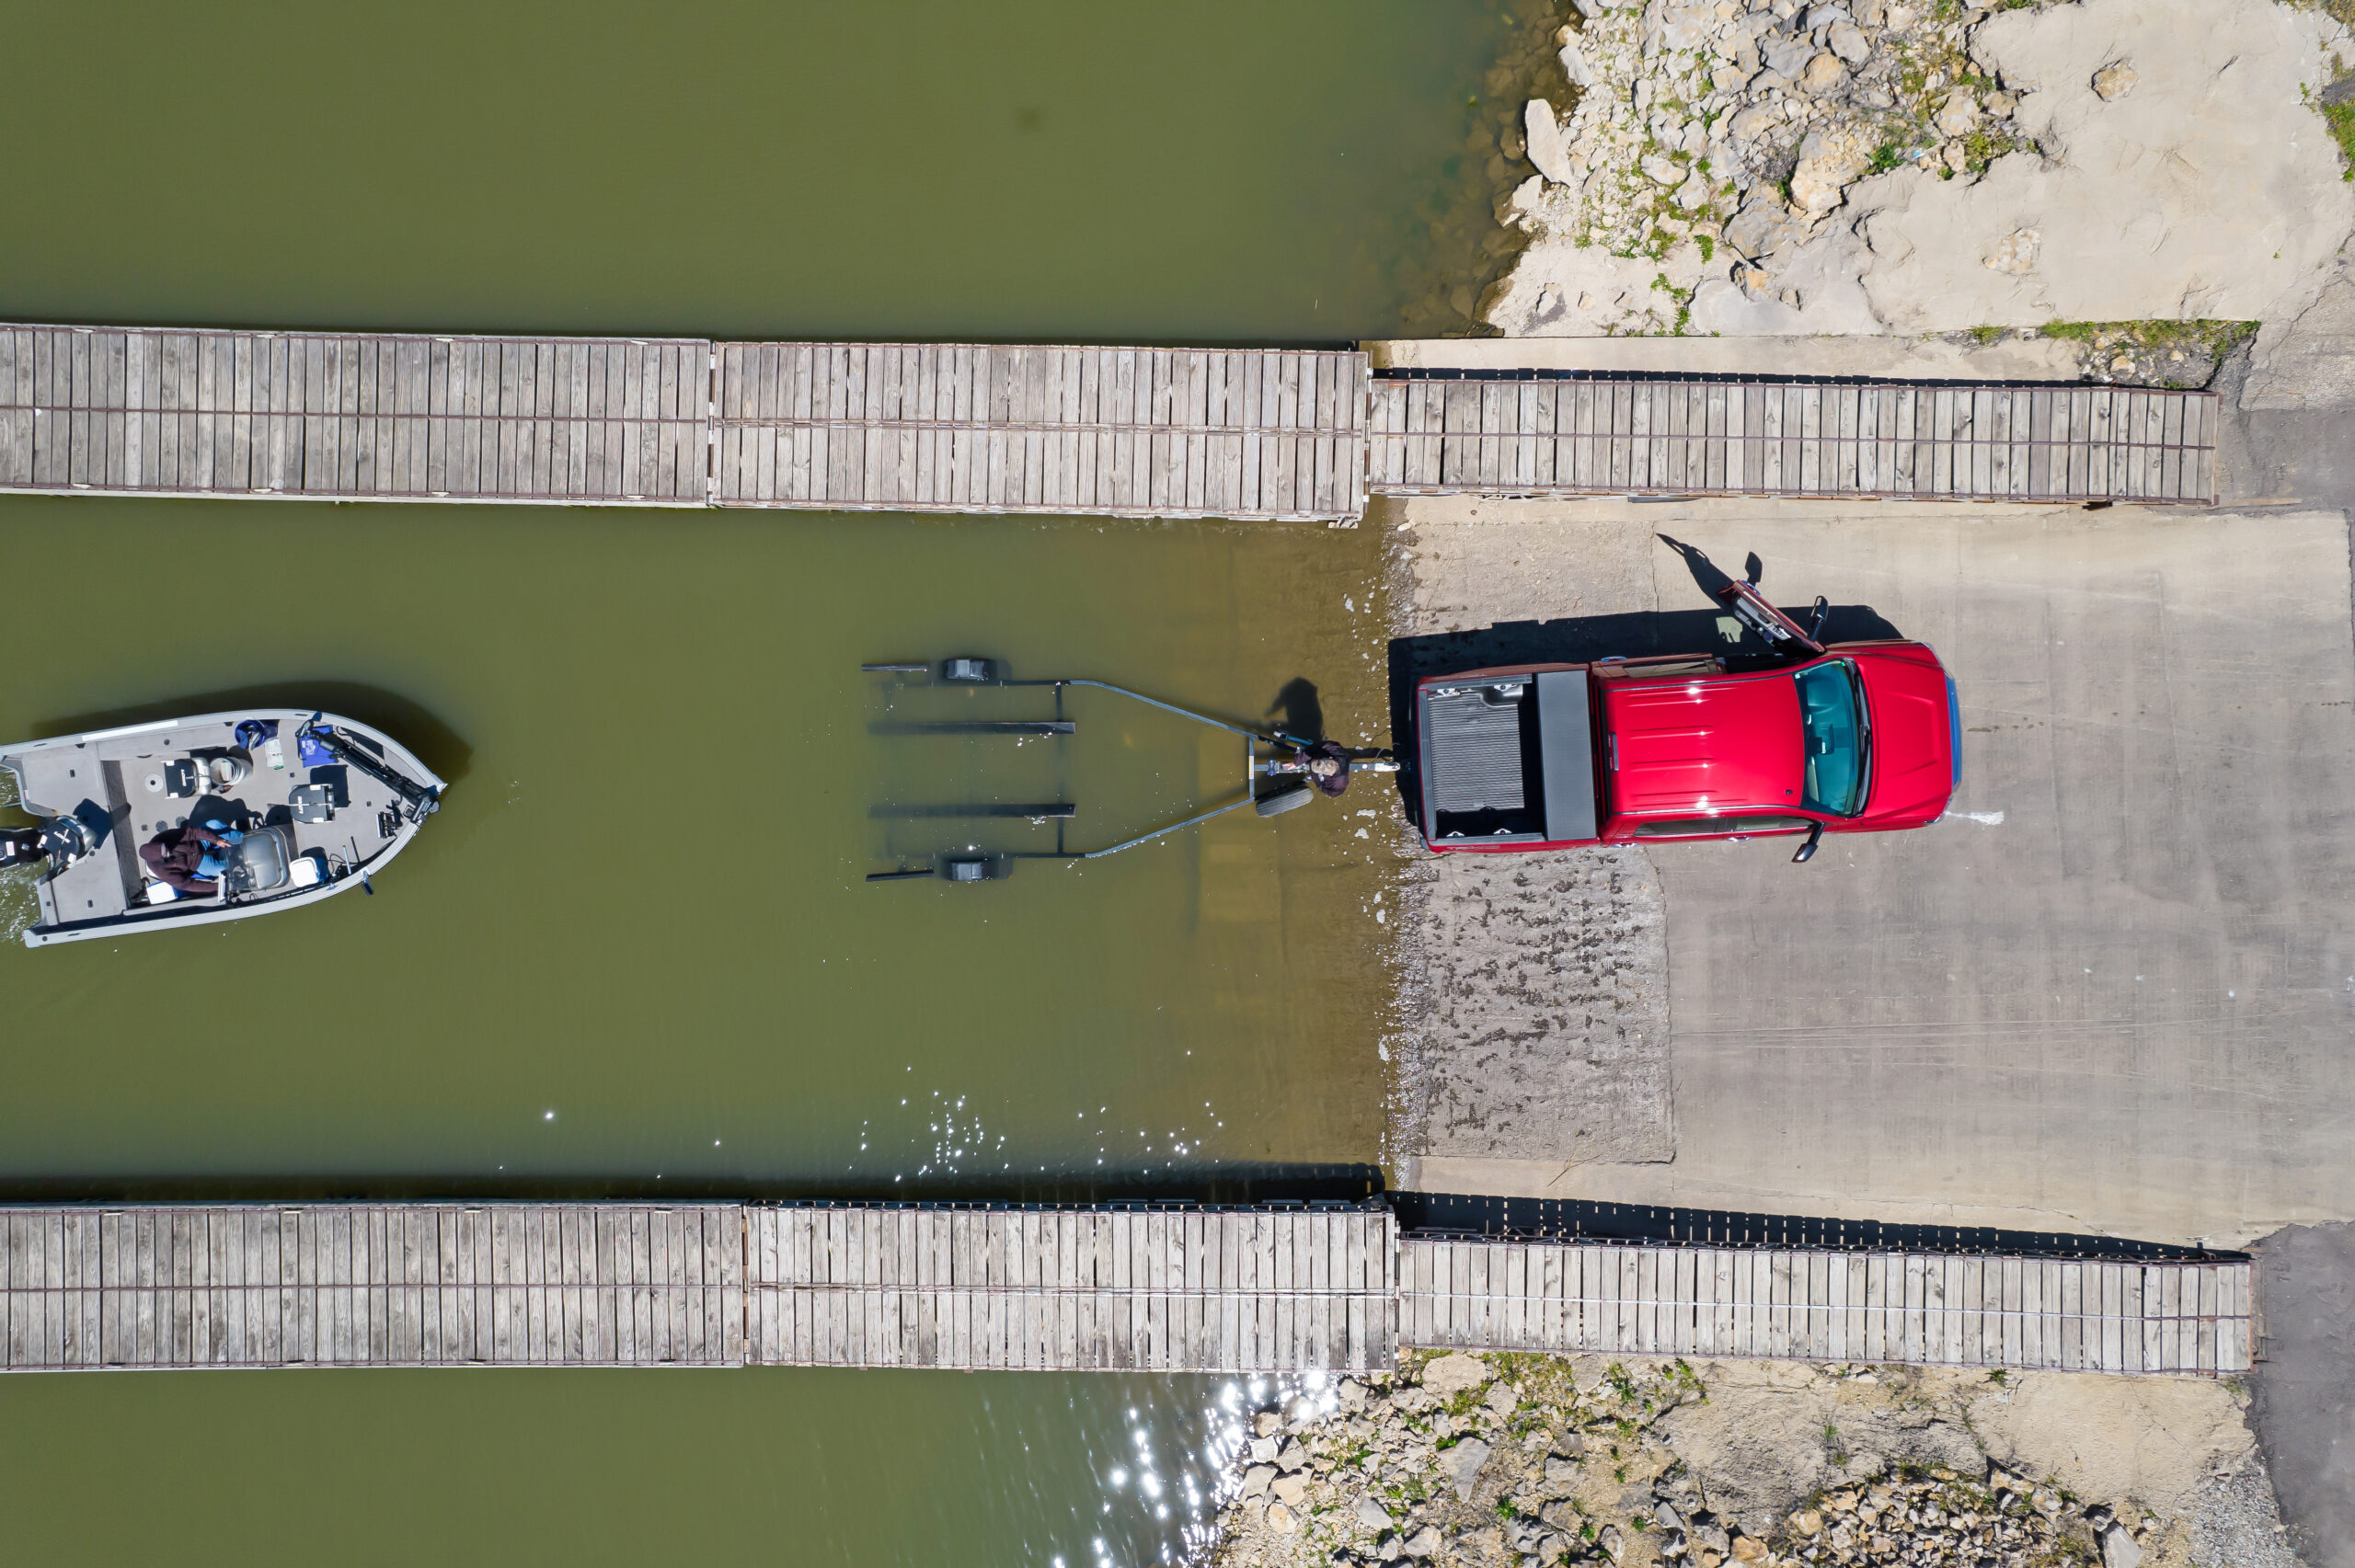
(1705, 571)
(1299, 710)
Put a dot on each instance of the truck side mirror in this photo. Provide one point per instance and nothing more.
(1822, 613)
(1807, 850)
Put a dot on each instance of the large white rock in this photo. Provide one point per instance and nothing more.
(1828, 163)
(1547, 153)
(1822, 73)
(1450, 1375)
(1461, 1465)
(1574, 65)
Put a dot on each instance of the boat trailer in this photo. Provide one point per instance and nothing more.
(1320, 767)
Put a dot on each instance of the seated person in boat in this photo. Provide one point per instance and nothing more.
(190, 859)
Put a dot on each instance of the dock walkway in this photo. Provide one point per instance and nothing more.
(353, 415)
(1167, 1287)
(1302, 434)
(1111, 432)
(1539, 434)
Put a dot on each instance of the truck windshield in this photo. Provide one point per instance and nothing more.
(1835, 736)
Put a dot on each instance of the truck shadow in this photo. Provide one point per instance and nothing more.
(1583, 639)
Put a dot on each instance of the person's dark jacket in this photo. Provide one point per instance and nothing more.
(175, 854)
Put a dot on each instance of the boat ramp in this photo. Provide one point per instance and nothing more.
(1137, 1286)
(1305, 434)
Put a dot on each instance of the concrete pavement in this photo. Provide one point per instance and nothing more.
(2114, 993)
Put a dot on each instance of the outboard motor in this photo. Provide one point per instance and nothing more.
(60, 840)
(20, 845)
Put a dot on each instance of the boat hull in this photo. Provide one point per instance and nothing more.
(339, 816)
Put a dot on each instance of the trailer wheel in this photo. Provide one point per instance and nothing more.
(1277, 804)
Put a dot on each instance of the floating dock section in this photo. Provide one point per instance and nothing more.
(354, 416)
(1178, 1288)
(1110, 432)
(1300, 434)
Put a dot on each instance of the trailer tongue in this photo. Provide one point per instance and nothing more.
(1299, 767)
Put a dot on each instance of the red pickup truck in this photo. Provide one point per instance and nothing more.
(1842, 738)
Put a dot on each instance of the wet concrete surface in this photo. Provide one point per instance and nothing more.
(2286, 441)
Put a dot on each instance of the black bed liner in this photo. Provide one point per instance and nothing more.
(1508, 758)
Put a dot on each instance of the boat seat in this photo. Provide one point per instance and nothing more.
(260, 861)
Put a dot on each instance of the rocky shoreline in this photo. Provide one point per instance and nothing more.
(1519, 1461)
(1870, 166)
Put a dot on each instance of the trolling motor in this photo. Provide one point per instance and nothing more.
(1324, 767)
(418, 802)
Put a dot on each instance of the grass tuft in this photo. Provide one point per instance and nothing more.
(2340, 118)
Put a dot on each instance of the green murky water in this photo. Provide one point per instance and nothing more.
(642, 908)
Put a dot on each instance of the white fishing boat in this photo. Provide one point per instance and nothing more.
(223, 816)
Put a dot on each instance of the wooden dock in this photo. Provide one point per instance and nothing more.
(1198, 1290)
(2065, 1314)
(1111, 432)
(375, 1284)
(1161, 1287)
(1299, 434)
(353, 415)
(1536, 434)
